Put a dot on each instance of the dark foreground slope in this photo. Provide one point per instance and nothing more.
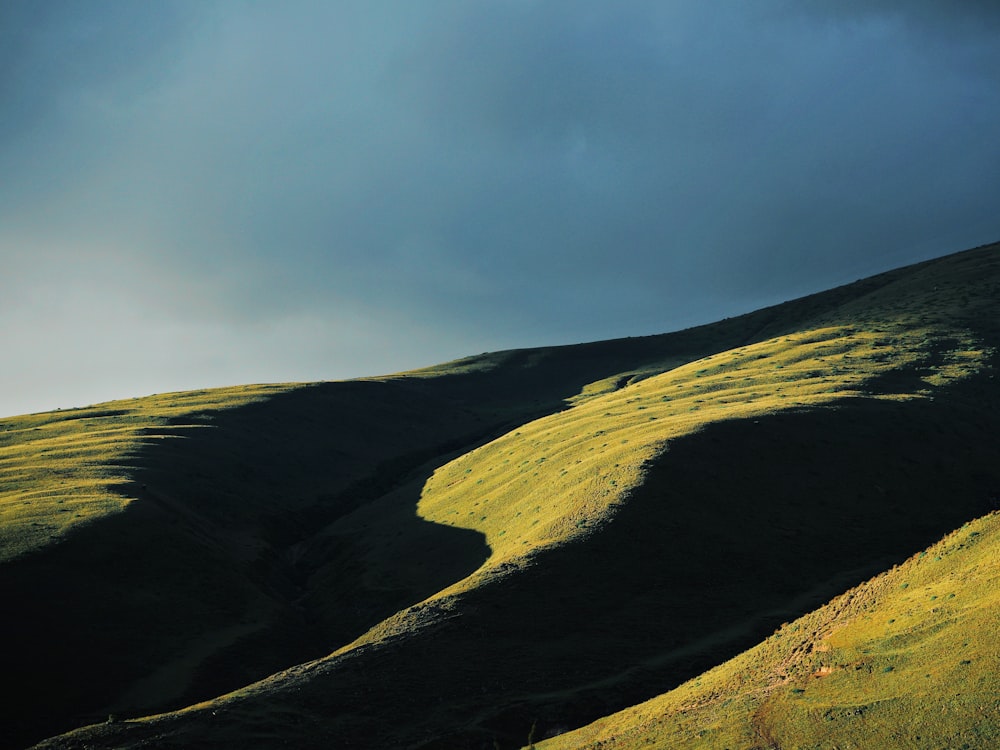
(813, 451)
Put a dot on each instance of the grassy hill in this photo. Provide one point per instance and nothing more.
(514, 545)
(905, 660)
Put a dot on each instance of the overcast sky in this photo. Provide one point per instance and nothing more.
(208, 193)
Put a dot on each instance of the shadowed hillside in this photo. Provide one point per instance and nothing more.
(219, 529)
(580, 528)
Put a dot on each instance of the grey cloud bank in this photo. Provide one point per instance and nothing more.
(199, 194)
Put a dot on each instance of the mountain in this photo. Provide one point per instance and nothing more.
(777, 530)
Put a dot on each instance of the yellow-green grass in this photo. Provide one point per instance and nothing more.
(906, 660)
(62, 469)
(555, 478)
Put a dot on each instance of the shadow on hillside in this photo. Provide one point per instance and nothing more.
(737, 529)
(202, 584)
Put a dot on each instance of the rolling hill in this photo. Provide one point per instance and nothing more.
(778, 530)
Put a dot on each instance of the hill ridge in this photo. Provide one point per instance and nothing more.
(877, 358)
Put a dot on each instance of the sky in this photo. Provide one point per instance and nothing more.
(202, 193)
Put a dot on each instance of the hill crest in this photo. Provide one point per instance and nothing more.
(534, 502)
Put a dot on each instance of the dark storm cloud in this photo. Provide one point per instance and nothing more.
(971, 17)
(660, 146)
(439, 178)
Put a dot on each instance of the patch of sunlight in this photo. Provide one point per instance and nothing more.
(61, 469)
(562, 475)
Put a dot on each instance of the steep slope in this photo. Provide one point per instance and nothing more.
(907, 659)
(668, 520)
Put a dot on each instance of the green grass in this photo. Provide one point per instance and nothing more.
(60, 470)
(545, 537)
(907, 659)
(545, 482)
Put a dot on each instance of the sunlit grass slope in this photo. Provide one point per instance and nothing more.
(555, 477)
(906, 660)
(649, 505)
(62, 469)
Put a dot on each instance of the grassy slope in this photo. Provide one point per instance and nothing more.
(64, 469)
(591, 513)
(179, 514)
(905, 660)
(217, 525)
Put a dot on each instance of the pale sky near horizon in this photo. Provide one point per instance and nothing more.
(197, 193)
